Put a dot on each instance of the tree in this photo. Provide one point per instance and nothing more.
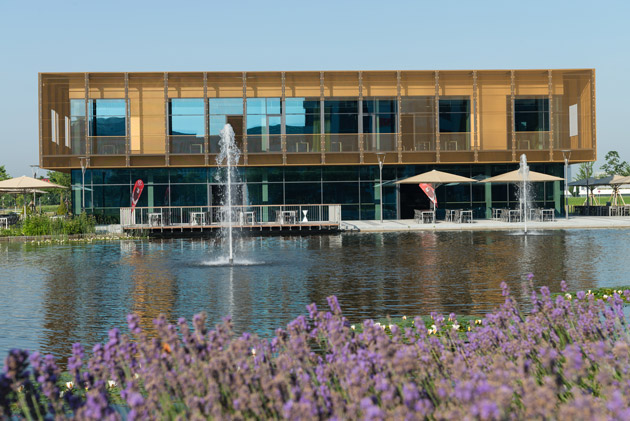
(614, 165)
(57, 196)
(3, 173)
(585, 170)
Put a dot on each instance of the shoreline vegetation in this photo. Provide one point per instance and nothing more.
(566, 358)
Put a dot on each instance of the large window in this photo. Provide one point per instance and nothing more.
(222, 112)
(379, 124)
(303, 124)
(187, 125)
(418, 123)
(531, 121)
(264, 125)
(454, 123)
(107, 125)
(341, 124)
(77, 126)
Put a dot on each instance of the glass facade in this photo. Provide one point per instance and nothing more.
(186, 125)
(355, 188)
(264, 125)
(379, 124)
(223, 111)
(303, 124)
(454, 120)
(107, 126)
(341, 124)
(531, 122)
(77, 126)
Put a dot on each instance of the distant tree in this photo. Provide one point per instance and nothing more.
(57, 196)
(585, 170)
(614, 165)
(5, 199)
(3, 173)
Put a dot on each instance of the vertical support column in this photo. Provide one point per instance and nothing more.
(361, 136)
(244, 151)
(488, 193)
(283, 129)
(593, 128)
(512, 114)
(437, 116)
(40, 110)
(206, 121)
(167, 148)
(550, 97)
(127, 122)
(322, 121)
(398, 117)
(475, 119)
(88, 149)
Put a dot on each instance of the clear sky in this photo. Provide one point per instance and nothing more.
(137, 35)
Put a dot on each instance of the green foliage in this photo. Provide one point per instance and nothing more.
(585, 170)
(62, 209)
(56, 196)
(614, 165)
(43, 225)
(3, 173)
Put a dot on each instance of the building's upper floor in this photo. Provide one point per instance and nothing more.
(314, 118)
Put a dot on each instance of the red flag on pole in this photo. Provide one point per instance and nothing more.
(137, 191)
(430, 192)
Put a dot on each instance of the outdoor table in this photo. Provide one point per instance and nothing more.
(466, 216)
(197, 218)
(514, 215)
(5, 222)
(451, 215)
(247, 218)
(155, 219)
(285, 217)
(548, 215)
(427, 217)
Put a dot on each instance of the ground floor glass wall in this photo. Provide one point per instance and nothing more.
(356, 188)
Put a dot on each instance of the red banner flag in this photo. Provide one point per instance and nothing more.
(137, 191)
(430, 192)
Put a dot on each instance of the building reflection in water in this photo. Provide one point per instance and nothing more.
(58, 295)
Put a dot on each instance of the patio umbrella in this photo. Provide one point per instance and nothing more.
(516, 177)
(436, 178)
(26, 185)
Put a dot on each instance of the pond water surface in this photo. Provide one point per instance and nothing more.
(55, 295)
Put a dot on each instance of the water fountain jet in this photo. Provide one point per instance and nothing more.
(524, 190)
(228, 157)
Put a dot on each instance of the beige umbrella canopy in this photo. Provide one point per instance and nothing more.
(24, 184)
(436, 177)
(516, 177)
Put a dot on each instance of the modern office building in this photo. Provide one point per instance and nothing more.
(314, 137)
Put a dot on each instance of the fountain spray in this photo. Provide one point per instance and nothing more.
(524, 172)
(230, 154)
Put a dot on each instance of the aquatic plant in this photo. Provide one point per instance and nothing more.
(565, 358)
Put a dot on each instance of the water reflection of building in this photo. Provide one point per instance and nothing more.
(154, 288)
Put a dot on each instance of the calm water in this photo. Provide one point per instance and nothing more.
(55, 295)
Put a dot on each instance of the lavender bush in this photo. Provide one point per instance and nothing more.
(568, 358)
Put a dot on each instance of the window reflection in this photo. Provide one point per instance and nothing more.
(107, 125)
(187, 125)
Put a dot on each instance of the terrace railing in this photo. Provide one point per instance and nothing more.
(245, 215)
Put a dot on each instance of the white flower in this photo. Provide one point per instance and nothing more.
(434, 327)
(136, 376)
(353, 327)
(567, 296)
(254, 351)
(404, 317)
(390, 327)
(69, 385)
(111, 383)
(605, 297)
(455, 326)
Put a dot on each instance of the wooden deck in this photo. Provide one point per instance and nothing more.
(268, 227)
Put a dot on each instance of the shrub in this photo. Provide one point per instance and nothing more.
(566, 359)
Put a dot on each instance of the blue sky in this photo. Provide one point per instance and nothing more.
(76, 36)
